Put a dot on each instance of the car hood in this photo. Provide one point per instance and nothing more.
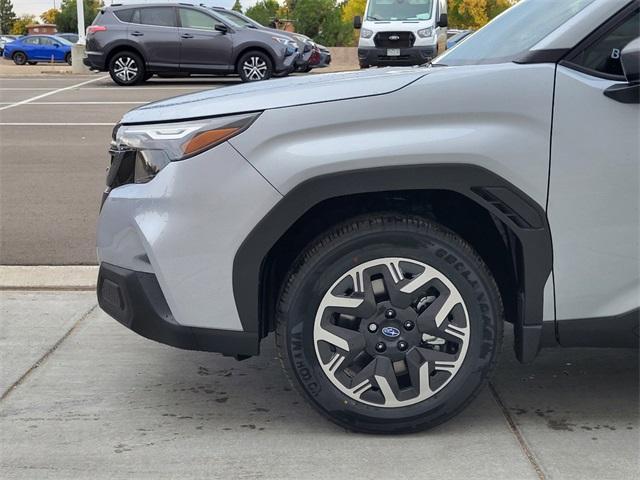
(276, 93)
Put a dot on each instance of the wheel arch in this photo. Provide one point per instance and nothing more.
(435, 189)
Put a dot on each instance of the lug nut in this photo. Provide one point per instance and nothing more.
(373, 327)
(408, 325)
(402, 345)
(380, 347)
(390, 313)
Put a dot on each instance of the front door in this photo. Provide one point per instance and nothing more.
(202, 47)
(594, 194)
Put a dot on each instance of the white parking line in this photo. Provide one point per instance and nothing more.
(78, 103)
(61, 124)
(53, 92)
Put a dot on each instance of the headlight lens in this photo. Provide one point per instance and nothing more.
(366, 33)
(155, 145)
(284, 41)
(425, 32)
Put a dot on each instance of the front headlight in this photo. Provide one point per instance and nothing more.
(284, 41)
(366, 33)
(155, 145)
(425, 32)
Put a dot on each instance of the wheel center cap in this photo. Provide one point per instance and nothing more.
(391, 332)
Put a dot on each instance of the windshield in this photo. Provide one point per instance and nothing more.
(63, 41)
(236, 19)
(513, 33)
(399, 10)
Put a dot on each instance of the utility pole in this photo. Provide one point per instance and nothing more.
(81, 32)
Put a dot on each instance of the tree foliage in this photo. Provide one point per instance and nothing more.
(7, 16)
(50, 15)
(475, 14)
(20, 24)
(67, 19)
(322, 20)
(264, 12)
(237, 6)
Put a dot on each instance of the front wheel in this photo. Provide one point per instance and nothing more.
(67, 58)
(19, 58)
(389, 324)
(126, 69)
(255, 66)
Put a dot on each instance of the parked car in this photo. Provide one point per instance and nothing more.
(133, 42)
(458, 37)
(384, 224)
(305, 44)
(4, 39)
(71, 37)
(32, 49)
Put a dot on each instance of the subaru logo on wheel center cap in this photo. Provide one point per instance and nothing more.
(392, 332)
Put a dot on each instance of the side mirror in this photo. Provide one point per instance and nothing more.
(443, 21)
(221, 27)
(630, 58)
(628, 92)
(56, 45)
(357, 22)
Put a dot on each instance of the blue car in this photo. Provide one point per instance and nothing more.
(32, 49)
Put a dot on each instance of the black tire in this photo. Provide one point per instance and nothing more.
(67, 58)
(363, 66)
(19, 58)
(127, 69)
(32, 63)
(366, 239)
(257, 60)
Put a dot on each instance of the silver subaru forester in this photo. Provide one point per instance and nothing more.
(384, 224)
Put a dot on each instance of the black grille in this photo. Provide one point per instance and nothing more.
(394, 39)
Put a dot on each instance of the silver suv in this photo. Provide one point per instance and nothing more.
(384, 224)
(133, 42)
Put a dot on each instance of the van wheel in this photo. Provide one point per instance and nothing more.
(389, 324)
(19, 58)
(254, 66)
(126, 69)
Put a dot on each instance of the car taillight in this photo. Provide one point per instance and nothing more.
(96, 28)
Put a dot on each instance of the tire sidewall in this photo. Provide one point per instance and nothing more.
(328, 264)
(139, 78)
(68, 59)
(264, 57)
(20, 58)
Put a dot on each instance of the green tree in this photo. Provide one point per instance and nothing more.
(323, 21)
(7, 16)
(50, 15)
(237, 6)
(264, 11)
(475, 13)
(67, 19)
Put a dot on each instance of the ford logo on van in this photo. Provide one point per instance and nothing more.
(392, 332)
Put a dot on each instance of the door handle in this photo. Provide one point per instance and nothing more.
(186, 35)
(137, 34)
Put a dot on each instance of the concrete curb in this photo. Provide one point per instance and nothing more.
(44, 277)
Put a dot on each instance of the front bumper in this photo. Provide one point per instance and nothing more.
(288, 63)
(377, 57)
(135, 299)
(182, 229)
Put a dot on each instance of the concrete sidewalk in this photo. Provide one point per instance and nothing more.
(86, 398)
(45, 277)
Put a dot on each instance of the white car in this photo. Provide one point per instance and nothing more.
(384, 224)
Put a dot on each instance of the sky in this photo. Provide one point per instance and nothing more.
(36, 7)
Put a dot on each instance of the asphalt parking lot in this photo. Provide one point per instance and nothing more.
(85, 398)
(55, 132)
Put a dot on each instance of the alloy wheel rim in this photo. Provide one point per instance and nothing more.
(255, 68)
(125, 68)
(391, 332)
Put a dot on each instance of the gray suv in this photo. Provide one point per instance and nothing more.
(384, 224)
(134, 42)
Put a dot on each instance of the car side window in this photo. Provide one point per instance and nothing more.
(126, 15)
(603, 56)
(46, 41)
(160, 16)
(194, 19)
(31, 41)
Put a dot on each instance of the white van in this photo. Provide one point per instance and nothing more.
(401, 32)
